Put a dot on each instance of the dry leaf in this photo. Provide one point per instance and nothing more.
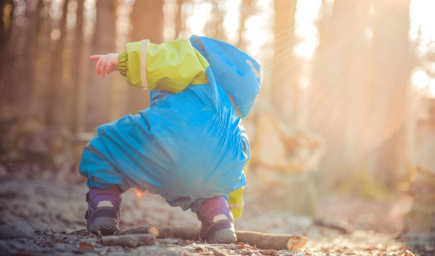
(85, 246)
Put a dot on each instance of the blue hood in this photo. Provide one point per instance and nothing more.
(237, 73)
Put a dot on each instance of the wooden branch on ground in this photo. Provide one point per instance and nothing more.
(150, 229)
(268, 241)
(185, 233)
(342, 226)
(260, 240)
(129, 240)
(85, 232)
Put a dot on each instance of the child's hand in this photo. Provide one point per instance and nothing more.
(106, 63)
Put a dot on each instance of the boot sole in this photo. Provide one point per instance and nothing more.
(106, 225)
(223, 236)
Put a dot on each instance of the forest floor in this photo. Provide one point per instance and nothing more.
(54, 205)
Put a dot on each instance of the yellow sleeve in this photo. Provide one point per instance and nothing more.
(170, 66)
(236, 199)
(122, 63)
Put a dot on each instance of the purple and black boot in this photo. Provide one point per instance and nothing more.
(217, 221)
(104, 209)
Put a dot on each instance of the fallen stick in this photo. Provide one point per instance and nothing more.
(85, 232)
(342, 226)
(268, 252)
(260, 240)
(184, 233)
(268, 241)
(150, 229)
(129, 240)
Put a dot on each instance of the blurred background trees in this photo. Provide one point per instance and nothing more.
(345, 84)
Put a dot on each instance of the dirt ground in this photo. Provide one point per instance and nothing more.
(54, 205)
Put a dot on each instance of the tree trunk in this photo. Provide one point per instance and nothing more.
(98, 89)
(391, 62)
(179, 19)
(358, 97)
(55, 111)
(147, 18)
(44, 45)
(284, 87)
(18, 73)
(5, 24)
(245, 12)
(214, 28)
(77, 70)
(17, 82)
(335, 94)
(6, 14)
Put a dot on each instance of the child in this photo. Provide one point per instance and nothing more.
(188, 145)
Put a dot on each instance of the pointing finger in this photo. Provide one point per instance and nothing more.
(97, 66)
(109, 65)
(96, 57)
(103, 66)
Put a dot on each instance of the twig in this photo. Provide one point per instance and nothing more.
(129, 240)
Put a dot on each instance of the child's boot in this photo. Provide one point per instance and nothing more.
(104, 209)
(217, 221)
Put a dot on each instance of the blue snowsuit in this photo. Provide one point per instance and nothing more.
(186, 146)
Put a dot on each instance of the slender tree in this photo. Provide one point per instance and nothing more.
(6, 15)
(55, 111)
(179, 22)
(98, 90)
(5, 23)
(148, 19)
(44, 45)
(391, 61)
(214, 26)
(284, 69)
(358, 96)
(334, 99)
(18, 74)
(77, 69)
(245, 12)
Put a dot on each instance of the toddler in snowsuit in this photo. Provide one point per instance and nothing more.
(188, 145)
